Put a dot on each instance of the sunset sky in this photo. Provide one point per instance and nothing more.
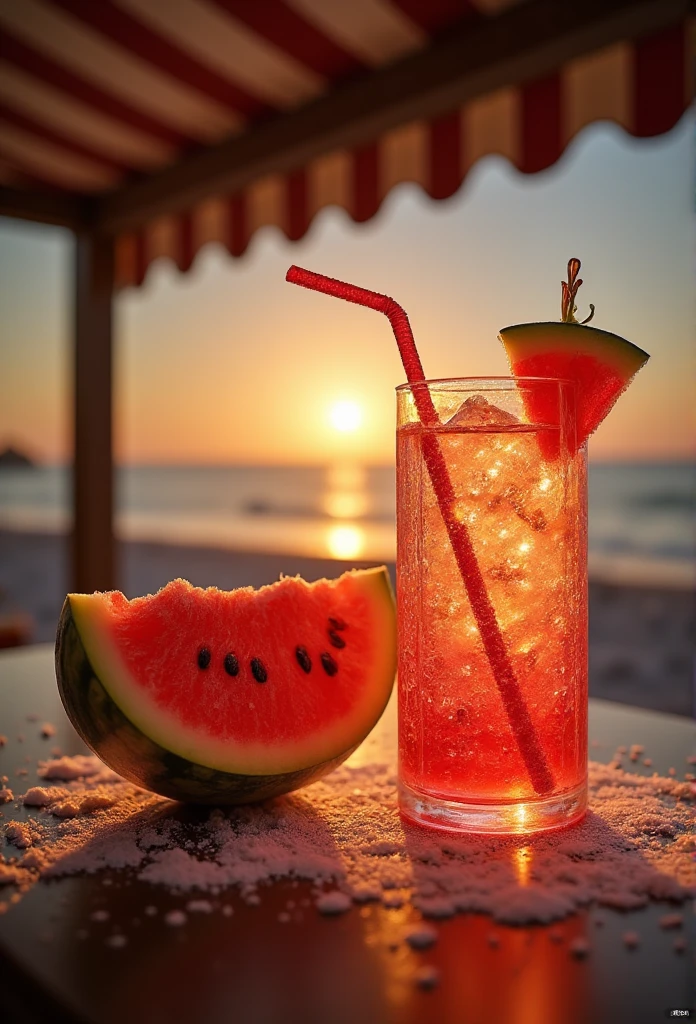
(231, 364)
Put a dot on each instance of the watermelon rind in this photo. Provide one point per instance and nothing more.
(524, 340)
(151, 749)
(600, 364)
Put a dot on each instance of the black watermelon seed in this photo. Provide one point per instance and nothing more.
(203, 657)
(231, 665)
(336, 623)
(258, 670)
(336, 640)
(303, 659)
(330, 666)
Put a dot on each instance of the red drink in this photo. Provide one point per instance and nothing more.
(520, 488)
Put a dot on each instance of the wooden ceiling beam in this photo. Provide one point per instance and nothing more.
(64, 209)
(525, 42)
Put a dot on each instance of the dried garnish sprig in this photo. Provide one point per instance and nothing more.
(569, 289)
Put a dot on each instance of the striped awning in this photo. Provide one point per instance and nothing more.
(98, 96)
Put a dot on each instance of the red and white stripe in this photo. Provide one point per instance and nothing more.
(92, 93)
(530, 125)
(375, 31)
(231, 49)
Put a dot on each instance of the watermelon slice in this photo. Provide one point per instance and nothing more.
(600, 364)
(228, 697)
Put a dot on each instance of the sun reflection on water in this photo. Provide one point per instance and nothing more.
(345, 504)
(346, 497)
(346, 476)
(346, 494)
(345, 541)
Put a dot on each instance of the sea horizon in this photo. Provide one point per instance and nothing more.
(641, 522)
(603, 460)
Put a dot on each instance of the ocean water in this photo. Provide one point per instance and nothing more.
(642, 515)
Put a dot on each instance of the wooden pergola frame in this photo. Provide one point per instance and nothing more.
(525, 42)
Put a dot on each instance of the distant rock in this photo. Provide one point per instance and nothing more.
(10, 458)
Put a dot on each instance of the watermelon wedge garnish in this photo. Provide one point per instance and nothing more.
(229, 696)
(600, 364)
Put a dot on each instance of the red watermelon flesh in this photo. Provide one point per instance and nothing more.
(600, 364)
(253, 682)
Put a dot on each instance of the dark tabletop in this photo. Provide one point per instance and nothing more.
(251, 968)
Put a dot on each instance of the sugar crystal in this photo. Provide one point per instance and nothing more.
(635, 844)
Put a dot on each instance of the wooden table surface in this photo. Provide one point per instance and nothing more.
(250, 968)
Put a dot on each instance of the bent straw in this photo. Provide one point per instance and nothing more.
(472, 577)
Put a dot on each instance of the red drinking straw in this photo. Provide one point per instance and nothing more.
(494, 645)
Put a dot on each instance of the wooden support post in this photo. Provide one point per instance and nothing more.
(93, 557)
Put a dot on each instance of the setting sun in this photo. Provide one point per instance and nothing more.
(346, 416)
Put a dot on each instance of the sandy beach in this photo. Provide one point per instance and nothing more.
(641, 637)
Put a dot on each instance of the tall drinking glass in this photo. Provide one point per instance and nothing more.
(520, 488)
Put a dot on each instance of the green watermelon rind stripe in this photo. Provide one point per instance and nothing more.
(89, 615)
(524, 341)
